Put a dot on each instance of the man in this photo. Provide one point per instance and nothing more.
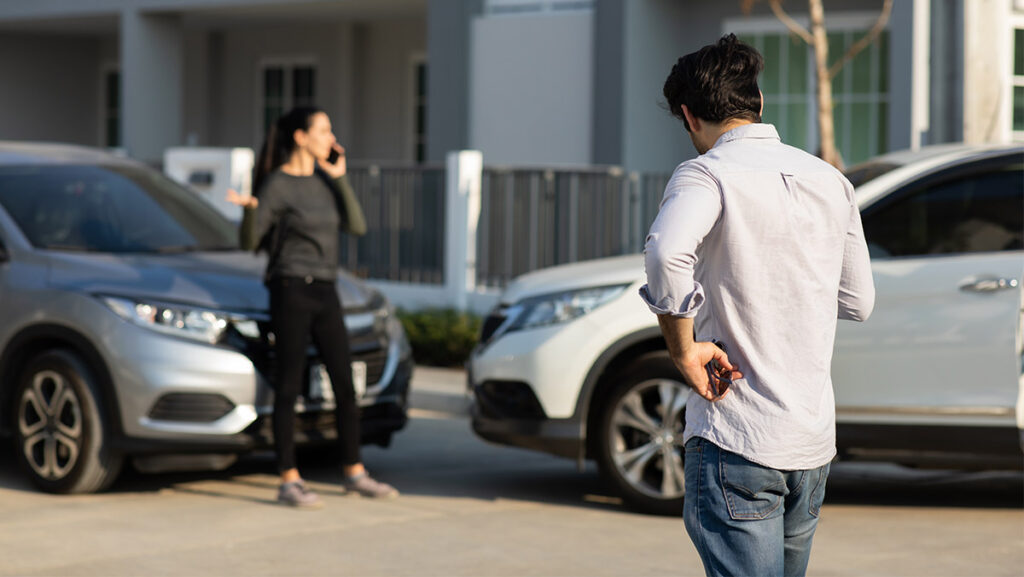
(762, 244)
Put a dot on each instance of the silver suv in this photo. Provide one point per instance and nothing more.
(132, 326)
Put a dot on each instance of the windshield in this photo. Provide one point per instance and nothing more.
(868, 171)
(117, 209)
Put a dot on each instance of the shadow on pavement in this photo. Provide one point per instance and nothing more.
(440, 457)
(893, 485)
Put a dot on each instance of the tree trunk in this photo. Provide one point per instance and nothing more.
(826, 128)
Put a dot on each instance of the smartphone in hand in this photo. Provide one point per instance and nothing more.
(332, 158)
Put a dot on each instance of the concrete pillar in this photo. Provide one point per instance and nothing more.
(462, 202)
(901, 74)
(987, 50)
(152, 79)
(946, 71)
(448, 36)
(609, 57)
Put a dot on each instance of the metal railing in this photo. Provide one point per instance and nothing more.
(530, 218)
(405, 218)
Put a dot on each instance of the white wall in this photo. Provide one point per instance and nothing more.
(51, 88)
(531, 82)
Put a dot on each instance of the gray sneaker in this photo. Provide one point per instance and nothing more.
(297, 494)
(367, 486)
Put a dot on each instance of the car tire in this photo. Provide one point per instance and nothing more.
(636, 436)
(62, 440)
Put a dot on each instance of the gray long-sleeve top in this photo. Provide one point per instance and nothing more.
(302, 216)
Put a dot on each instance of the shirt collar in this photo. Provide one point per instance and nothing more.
(755, 130)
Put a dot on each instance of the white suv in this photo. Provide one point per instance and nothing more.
(572, 362)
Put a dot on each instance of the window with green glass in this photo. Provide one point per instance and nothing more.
(112, 108)
(286, 86)
(860, 92)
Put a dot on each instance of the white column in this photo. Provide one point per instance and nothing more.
(152, 87)
(462, 213)
(920, 92)
(987, 71)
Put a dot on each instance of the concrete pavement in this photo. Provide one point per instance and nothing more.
(470, 508)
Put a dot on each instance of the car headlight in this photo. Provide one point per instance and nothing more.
(558, 307)
(179, 320)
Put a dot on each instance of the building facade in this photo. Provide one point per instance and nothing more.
(566, 82)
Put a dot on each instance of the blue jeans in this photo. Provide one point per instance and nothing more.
(748, 519)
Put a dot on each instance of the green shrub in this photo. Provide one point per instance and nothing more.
(440, 337)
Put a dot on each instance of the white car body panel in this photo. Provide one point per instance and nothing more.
(931, 352)
(573, 348)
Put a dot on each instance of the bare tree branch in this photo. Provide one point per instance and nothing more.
(864, 42)
(793, 25)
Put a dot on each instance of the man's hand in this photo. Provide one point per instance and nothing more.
(692, 364)
(691, 357)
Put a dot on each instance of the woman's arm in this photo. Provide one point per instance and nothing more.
(356, 224)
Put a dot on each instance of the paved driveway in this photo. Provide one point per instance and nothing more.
(470, 508)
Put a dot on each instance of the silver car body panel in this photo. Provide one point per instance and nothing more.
(63, 290)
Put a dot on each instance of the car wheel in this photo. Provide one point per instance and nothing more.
(61, 437)
(640, 448)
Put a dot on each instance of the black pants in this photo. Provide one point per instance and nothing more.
(298, 311)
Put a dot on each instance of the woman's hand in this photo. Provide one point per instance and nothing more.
(243, 201)
(340, 166)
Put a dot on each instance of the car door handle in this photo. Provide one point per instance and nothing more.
(988, 284)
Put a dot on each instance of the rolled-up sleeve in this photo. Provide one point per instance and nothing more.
(691, 207)
(856, 285)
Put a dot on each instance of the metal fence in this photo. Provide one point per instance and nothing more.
(530, 218)
(405, 217)
(537, 217)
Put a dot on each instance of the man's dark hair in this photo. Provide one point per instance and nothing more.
(717, 82)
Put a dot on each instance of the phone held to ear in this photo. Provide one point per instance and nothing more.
(332, 158)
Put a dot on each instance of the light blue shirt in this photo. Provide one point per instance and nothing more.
(762, 244)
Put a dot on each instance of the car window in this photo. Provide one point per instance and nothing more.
(977, 209)
(110, 209)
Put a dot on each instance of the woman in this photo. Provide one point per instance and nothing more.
(295, 215)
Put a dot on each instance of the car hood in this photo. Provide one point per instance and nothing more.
(592, 273)
(220, 280)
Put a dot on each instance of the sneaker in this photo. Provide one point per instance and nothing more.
(297, 494)
(367, 486)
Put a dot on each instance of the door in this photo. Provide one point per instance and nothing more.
(942, 346)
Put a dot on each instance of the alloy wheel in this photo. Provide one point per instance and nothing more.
(646, 437)
(50, 424)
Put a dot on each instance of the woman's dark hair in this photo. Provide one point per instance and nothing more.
(280, 143)
(717, 82)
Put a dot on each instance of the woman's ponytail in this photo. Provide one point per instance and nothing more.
(280, 143)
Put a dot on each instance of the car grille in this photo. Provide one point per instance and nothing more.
(191, 407)
(368, 347)
(375, 361)
(508, 400)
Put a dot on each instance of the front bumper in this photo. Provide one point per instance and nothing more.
(516, 419)
(177, 395)
(382, 416)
